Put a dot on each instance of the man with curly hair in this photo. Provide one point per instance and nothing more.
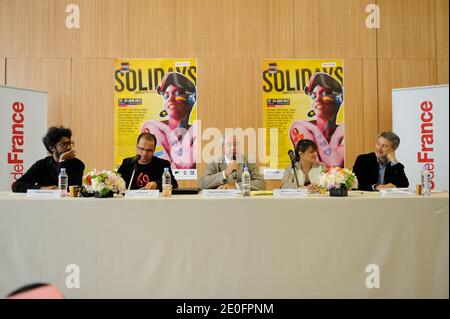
(44, 173)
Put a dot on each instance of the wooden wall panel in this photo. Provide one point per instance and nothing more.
(442, 71)
(226, 104)
(361, 107)
(92, 111)
(2, 70)
(370, 104)
(198, 31)
(442, 26)
(37, 28)
(353, 110)
(259, 28)
(51, 75)
(142, 28)
(332, 29)
(211, 107)
(243, 98)
(407, 29)
(442, 29)
(3, 33)
(398, 74)
(110, 30)
(213, 91)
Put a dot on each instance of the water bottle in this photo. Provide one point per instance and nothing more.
(245, 182)
(166, 183)
(63, 181)
(425, 179)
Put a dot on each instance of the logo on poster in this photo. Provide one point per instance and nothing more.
(17, 140)
(425, 155)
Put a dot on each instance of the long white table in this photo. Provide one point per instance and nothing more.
(258, 247)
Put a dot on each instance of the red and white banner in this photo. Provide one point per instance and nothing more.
(420, 118)
(23, 123)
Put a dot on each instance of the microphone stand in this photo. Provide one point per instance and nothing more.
(295, 173)
(132, 175)
(234, 173)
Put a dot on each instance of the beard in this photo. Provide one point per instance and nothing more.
(57, 154)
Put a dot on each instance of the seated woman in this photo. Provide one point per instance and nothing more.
(307, 168)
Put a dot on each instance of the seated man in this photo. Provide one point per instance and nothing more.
(225, 171)
(44, 173)
(148, 169)
(381, 169)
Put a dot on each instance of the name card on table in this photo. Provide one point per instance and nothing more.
(44, 193)
(294, 192)
(396, 192)
(148, 193)
(273, 173)
(220, 193)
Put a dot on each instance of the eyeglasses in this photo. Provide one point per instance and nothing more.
(147, 150)
(65, 144)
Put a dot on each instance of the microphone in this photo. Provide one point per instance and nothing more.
(292, 156)
(293, 161)
(234, 171)
(136, 159)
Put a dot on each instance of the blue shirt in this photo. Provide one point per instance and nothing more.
(382, 170)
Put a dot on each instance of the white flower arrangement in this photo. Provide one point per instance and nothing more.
(104, 182)
(338, 177)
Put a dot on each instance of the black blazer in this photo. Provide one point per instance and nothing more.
(366, 170)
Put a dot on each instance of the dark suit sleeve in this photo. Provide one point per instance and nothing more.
(398, 176)
(28, 180)
(174, 181)
(362, 175)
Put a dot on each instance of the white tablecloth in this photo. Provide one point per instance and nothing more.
(258, 247)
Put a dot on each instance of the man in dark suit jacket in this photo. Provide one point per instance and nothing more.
(381, 169)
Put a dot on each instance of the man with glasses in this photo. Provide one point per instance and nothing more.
(144, 171)
(225, 172)
(44, 173)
